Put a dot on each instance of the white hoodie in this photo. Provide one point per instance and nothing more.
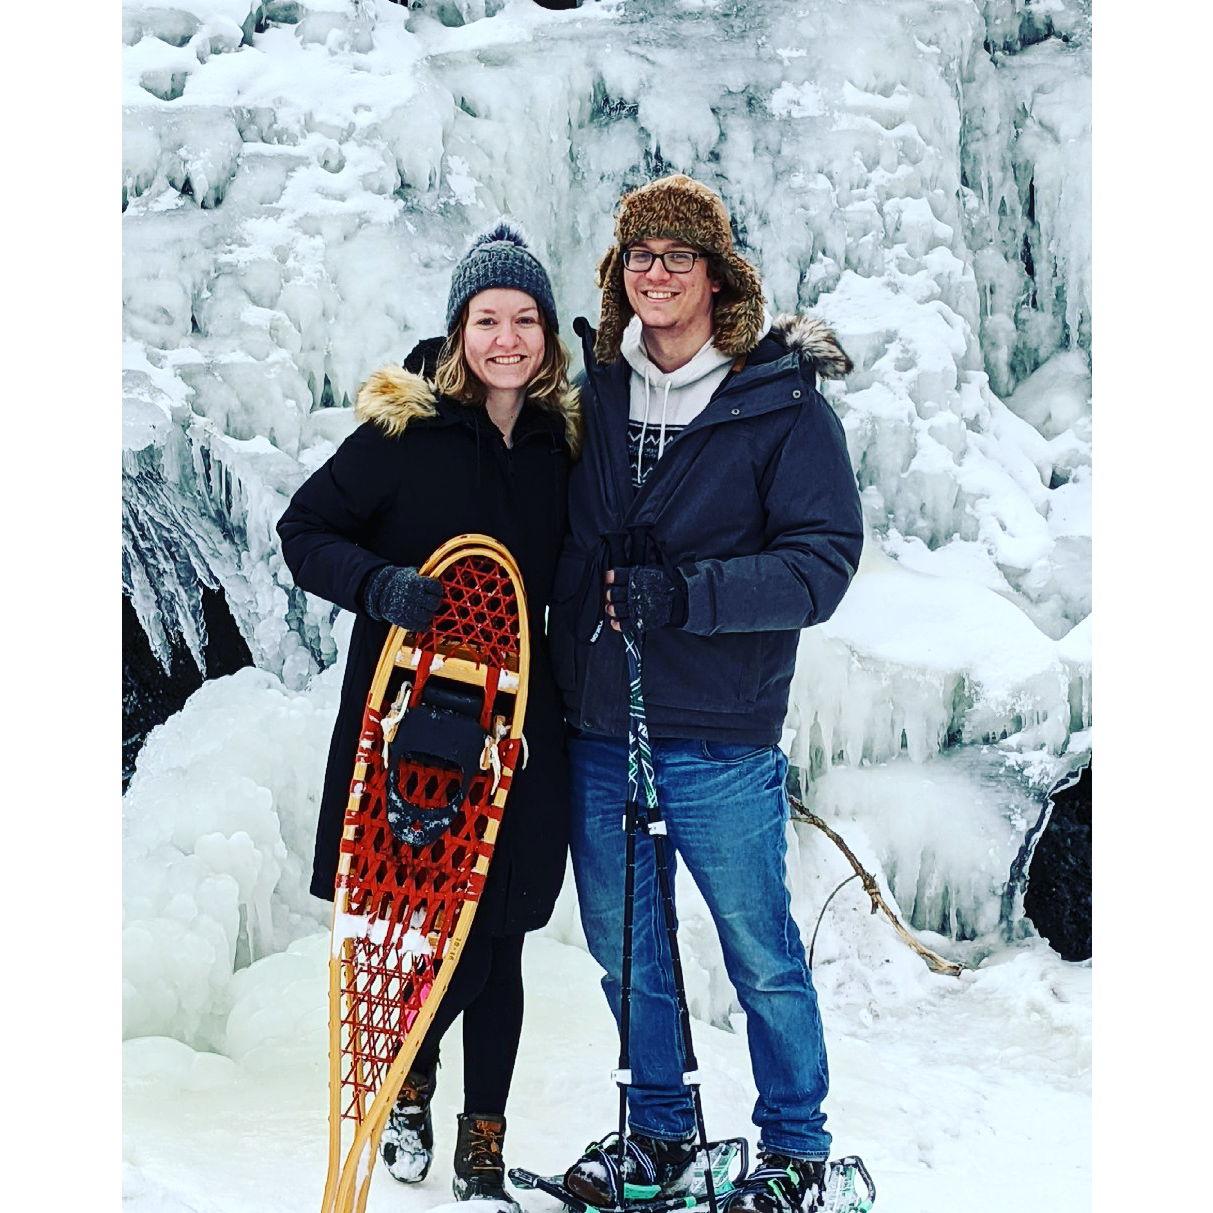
(662, 405)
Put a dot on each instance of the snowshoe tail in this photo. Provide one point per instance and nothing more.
(842, 1193)
(529, 1181)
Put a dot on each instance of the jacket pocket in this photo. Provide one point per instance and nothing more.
(702, 673)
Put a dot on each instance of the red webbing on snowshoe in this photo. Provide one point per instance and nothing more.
(412, 895)
(478, 610)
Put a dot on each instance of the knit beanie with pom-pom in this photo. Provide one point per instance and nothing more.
(500, 257)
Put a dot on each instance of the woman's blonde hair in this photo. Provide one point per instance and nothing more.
(549, 389)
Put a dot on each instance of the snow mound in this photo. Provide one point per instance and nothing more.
(218, 827)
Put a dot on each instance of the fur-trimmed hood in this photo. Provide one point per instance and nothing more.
(814, 341)
(802, 333)
(392, 397)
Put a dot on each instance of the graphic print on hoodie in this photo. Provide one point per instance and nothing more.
(662, 405)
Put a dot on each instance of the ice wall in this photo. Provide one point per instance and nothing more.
(300, 175)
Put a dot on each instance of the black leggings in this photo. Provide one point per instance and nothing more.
(487, 990)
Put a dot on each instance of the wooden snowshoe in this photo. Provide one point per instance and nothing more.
(441, 738)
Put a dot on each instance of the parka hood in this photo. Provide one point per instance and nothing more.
(393, 396)
(815, 342)
(801, 333)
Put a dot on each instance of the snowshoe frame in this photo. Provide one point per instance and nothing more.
(396, 941)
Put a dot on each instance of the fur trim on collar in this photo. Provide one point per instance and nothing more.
(814, 341)
(392, 397)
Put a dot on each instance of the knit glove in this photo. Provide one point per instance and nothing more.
(402, 596)
(648, 597)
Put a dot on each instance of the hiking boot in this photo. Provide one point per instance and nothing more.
(479, 1166)
(407, 1144)
(652, 1168)
(779, 1184)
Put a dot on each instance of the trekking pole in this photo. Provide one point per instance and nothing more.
(644, 809)
(623, 1074)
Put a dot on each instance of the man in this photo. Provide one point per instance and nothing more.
(707, 443)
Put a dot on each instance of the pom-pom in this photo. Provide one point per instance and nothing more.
(503, 231)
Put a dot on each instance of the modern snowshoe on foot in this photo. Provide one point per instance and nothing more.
(684, 1186)
(479, 1166)
(780, 1184)
(407, 1145)
(652, 1168)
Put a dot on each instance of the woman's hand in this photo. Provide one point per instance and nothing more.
(402, 596)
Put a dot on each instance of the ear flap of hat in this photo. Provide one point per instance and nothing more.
(616, 311)
(737, 320)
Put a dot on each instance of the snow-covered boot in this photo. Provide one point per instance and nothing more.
(479, 1165)
(652, 1168)
(407, 1144)
(779, 1184)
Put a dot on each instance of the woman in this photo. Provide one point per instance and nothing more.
(474, 435)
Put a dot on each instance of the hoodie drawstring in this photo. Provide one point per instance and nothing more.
(664, 406)
(644, 425)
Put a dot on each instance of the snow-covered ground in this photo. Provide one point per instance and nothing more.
(954, 1090)
(974, 1096)
(299, 176)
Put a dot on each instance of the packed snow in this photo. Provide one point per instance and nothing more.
(299, 177)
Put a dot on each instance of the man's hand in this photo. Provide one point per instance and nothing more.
(645, 597)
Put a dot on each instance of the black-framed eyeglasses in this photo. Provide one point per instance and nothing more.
(676, 261)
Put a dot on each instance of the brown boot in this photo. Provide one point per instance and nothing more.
(479, 1166)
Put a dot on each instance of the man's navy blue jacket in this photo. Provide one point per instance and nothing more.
(757, 506)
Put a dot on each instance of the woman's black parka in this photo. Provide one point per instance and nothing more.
(419, 470)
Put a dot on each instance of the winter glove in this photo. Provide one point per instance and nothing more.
(647, 597)
(402, 596)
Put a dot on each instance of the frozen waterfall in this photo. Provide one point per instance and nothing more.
(299, 177)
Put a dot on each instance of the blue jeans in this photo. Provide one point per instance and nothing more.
(725, 809)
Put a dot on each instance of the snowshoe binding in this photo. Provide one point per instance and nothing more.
(651, 1167)
(407, 1145)
(780, 1184)
(658, 1176)
(479, 1167)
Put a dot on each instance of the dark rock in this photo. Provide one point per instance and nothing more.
(1058, 895)
(150, 694)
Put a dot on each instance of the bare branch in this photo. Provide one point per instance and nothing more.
(935, 962)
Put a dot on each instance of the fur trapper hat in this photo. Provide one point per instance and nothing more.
(681, 208)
